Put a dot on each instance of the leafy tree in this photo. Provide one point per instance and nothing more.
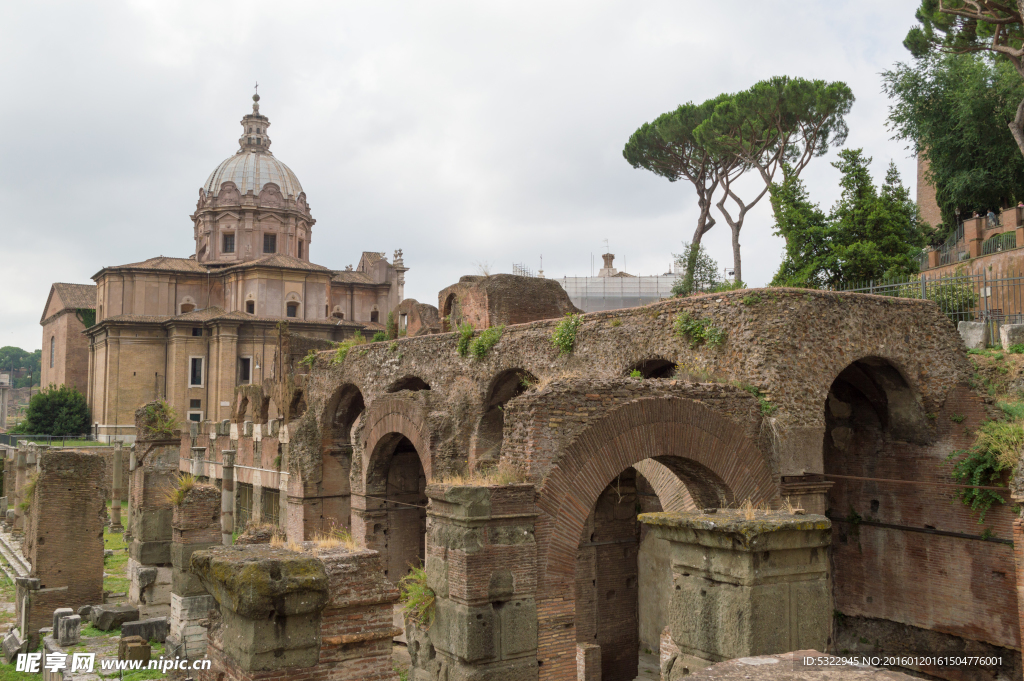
(953, 109)
(16, 358)
(703, 271)
(780, 123)
(869, 234)
(964, 26)
(669, 147)
(57, 411)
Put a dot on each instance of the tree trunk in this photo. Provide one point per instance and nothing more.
(1017, 127)
(704, 223)
(738, 274)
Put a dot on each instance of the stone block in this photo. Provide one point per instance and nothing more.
(974, 334)
(151, 552)
(13, 644)
(133, 648)
(69, 630)
(464, 631)
(155, 629)
(1009, 334)
(107, 617)
(271, 643)
(59, 614)
(588, 662)
(85, 611)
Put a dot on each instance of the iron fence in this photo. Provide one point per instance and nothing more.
(999, 242)
(961, 297)
(11, 439)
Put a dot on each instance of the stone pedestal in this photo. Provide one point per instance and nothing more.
(149, 518)
(196, 526)
(482, 565)
(745, 587)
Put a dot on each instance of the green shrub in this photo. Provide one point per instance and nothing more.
(1016, 349)
(57, 411)
(160, 419)
(465, 337)
(995, 450)
(564, 336)
(767, 408)
(616, 322)
(309, 359)
(635, 373)
(487, 339)
(28, 491)
(417, 598)
(1015, 410)
(379, 337)
(699, 331)
(391, 327)
(343, 347)
(751, 299)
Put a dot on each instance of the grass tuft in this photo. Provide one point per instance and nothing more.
(417, 597)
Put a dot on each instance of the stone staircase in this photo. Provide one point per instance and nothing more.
(14, 563)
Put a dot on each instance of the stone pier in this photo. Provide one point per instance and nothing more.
(63, 538)
(482, 565)
(196, 525)
(320, 614)
(743, 587)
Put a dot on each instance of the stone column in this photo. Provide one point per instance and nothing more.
(227, 496)
(20, 475)
(744, 587)
(196, 524)
(482, 565)
(132, 465)
(115, 503)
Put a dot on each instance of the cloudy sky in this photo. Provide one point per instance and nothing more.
(465, 133)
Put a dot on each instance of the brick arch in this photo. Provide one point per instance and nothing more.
(384, 419)
(682, 434)
(671, 491)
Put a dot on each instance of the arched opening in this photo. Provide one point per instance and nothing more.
(654, 368)
(898, 543)
(297, 407)
(623, 573)
(341, 418)
(490, 429)
(447, 323)
(714, 456)
(409, 383)
(187, 307)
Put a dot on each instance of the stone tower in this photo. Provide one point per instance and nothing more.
(252, 206)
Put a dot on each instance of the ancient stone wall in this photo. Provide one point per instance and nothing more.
(64, 534)
(501, 299)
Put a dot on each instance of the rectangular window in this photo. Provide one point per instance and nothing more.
(293, 310)
(196, 416)
(270, 243)
(229, 243)
(374, 316)
(250, 306)
(300, 250)
(245, 370)
(195, 373)
(195, 404)
(197, 331)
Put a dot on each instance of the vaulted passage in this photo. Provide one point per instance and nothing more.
(406, 528)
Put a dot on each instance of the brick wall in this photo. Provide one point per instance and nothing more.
(64, 538)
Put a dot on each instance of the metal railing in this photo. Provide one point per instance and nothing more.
(954, 249)
(88, 439)
(999, 242)
(961, 297)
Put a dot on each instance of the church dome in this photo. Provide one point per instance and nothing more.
(251, 170)
(253, 166)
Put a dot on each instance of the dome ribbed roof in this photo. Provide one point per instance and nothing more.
(252, 170)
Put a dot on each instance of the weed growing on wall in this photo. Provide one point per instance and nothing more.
(465, 337)
(27, 492)
(309, 359)
(161, 419)
(417, 598)
(487, 339)
(343, 347)
(635, 373)
(179, 488)
(699, 331)
(564, 337)
(995, 450)
(379, 337)
(767, 408)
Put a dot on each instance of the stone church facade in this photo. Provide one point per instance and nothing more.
(189, 330)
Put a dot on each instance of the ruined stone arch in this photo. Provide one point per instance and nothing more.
(340, 415)
(654, 367)
(297, 405)
(386, 421)
(489, 433)
(408, 383)
(446, 312)
(880, 383)
(706, 450)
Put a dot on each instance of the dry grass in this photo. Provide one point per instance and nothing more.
(505, 473)
(321, 542)
(751, 511)
(175, 494)
(545, 381)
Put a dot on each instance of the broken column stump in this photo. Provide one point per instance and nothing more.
(744, 587)
(196, 526)
(149, 517)
(63, 538)
(285, 613)
(482, 566)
